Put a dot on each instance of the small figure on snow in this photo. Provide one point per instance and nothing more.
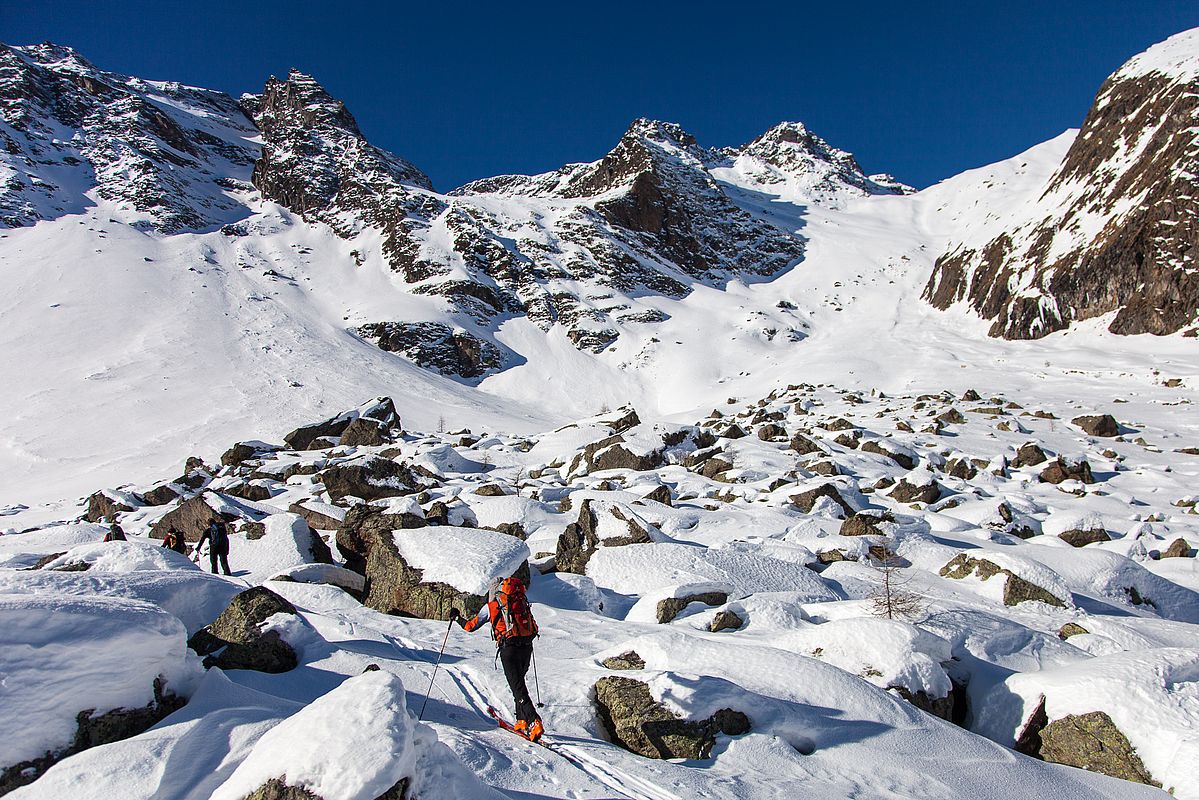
(513, 628)
(217, 536)
(115, 534)
(174, 540)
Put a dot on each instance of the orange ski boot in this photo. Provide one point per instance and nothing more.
(535, 730)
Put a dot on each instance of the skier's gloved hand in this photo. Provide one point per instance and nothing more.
(456, 617)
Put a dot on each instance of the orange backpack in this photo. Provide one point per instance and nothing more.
(516, 615)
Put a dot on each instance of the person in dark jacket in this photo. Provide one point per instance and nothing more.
(217, 536)
(174, 540)
(115, 534)
(513, 629)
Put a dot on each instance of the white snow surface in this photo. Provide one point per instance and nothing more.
(62, 654)
(466, 558)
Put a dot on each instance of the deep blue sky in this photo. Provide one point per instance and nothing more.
(465, 90)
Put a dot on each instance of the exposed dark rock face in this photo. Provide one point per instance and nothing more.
(671, 607)
(1070, 629)
(581, 538)
(149, 147)
(661, 495)
(437, 346)
(279, 789)
(1062, 470)
(95, 729)
(1015, 590)
(362, 527)
(942, 707)
(803, 445)
(1129, 177)
(642, 725)
(160, 495)
(611, 453)
(1102, 425)
(235, 640)
(1088, 741)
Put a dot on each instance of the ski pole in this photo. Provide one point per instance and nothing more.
(434, 675)
(537, 683)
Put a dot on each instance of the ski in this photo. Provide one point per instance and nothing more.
(508, 726)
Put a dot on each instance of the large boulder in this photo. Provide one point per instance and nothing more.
(600, 523)
(640, 724)
(1030, 454)
(1101, 425)
(236, 639)
(1177, 549)
(803, 445)
(432, 571)
(1081, 537)
(1088, 741)
(191, 518)
(908, 492)
(372, 478)
(1016, 589)
(670, 607)
(614, 452)
(362, 526)
(866, 523)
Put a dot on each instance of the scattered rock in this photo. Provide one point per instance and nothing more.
(191, 518)
(1177, 549)
(806, 500)
(906, 492)
(491, 490)
(1103, 425)
(671, 607)
(235, 640)
(771, 432)
(641, 725)
(1029, 455)
(1070, 629)
(661, 494)
(726, 620)
(803, 445)
(865, 523)
(626, 660)
(235, 455)
(1061, 470)
(903, 459)
(1081, 538)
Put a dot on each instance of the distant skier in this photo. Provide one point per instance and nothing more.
(217, 537)
(174, 540)
(513, 628)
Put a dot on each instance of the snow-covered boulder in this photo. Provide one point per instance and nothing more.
(321, 434)
(642, 725)
(639, 569)
(329, 574)
(358, 742)
(365, 523)
(888, 653)
(601, 523)
(370, 478)
(286, 542)
(664, 605)
(1147, 698)
(127, 556)
(104, 505)
(26, 549)
(1023, 580)
(192, 517)
(80, 671)
(428, 572)
(247, 634)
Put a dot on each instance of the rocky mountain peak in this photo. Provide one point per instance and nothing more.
(299, 101)
(1113, 230)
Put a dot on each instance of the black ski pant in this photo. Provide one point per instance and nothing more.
(515, 655)
(213, 555)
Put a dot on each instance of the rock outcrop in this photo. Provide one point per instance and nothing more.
(598, 524)
(1015, 590)
(1087, 741)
